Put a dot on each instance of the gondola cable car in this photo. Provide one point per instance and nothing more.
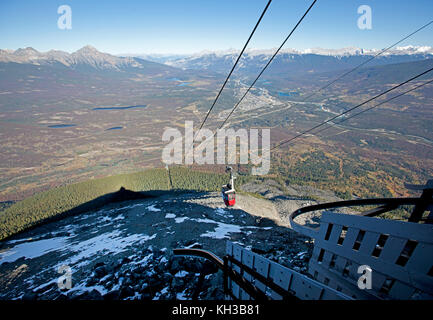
(228, 191)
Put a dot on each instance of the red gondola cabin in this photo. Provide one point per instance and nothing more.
(229, 197)
(228, 191)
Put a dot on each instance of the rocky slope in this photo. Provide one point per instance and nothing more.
(292, 198)
(124, 250)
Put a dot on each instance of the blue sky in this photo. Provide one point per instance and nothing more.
(187, 26)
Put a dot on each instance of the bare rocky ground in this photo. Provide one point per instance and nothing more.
(292, 198)
(124, 250)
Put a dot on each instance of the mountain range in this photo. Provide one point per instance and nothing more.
(296, 62)
(288, 60)
(86, 56)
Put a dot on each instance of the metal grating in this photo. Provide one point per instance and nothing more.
(279, 282)
(399, 253)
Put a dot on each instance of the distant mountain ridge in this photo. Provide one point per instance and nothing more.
(403, 50)
(314, 60)
(347, 51)
(87, 55)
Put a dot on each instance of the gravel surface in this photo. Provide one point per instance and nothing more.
(290, 199)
